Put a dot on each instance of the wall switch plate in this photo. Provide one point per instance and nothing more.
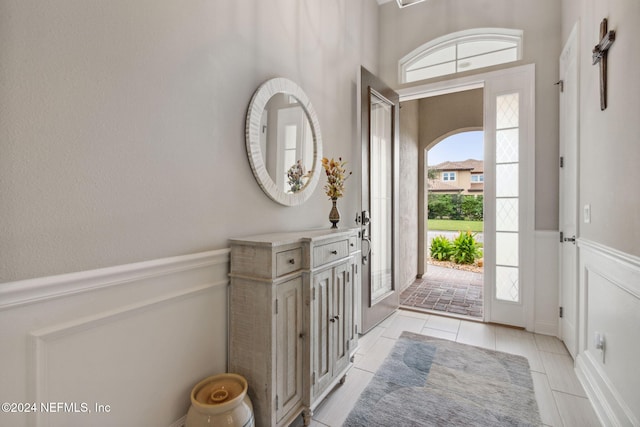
(587, 213)
(599, 344)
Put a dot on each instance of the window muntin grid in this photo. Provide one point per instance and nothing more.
(461, 51)
(507, 170)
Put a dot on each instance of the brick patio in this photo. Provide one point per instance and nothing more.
(446, 289)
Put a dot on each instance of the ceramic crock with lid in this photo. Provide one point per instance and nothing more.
(220, 400)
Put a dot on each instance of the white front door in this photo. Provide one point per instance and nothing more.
(509, 197)
(569, 192)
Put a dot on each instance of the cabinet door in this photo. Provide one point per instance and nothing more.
(321, 331)
(289, 347)
(339, 320)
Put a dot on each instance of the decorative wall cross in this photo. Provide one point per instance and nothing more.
(600, 57)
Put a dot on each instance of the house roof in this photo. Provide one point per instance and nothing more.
(473, 165)
(437, 185)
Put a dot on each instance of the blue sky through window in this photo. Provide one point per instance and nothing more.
(461, 146)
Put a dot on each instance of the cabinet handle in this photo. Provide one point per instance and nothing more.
(334, 252)
(332, 320)
(337, 317)
(292, 261)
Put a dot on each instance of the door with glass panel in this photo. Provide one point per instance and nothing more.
(509, 207)
(380, 112)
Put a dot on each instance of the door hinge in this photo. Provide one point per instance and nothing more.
(276, 306)
(561, 84)
(313, 294)
(277, 402)
(561, 161)
(561, 312)
(561, 236)
(348, 344)
(313, 378)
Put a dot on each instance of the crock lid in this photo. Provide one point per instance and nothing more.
(223, 389)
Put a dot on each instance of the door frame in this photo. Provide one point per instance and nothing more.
(483, 80)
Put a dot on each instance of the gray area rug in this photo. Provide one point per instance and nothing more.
(428, 381)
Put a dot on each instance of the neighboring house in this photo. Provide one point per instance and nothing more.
(466, 177)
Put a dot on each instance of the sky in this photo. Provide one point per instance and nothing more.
(461, 146)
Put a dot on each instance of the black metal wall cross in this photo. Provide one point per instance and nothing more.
(600, 57)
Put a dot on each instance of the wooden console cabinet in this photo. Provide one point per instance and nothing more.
(294, 315)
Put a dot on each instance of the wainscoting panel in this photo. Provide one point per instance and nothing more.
(610, 307)
(116, 346)
(546, 282)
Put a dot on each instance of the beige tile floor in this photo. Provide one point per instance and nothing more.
(561, 399)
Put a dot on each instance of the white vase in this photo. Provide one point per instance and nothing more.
(220, 400)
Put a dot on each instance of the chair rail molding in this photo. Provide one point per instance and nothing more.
(14, 294)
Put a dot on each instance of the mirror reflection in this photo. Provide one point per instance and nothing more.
(286, 143)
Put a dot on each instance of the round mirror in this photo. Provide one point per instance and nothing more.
(283, 141)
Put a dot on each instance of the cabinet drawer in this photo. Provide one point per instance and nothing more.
(288, 261)
(353, 244)
(324, 254)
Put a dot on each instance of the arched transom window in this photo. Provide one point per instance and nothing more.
(461, 51)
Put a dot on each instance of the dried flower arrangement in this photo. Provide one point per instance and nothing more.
(336, 176)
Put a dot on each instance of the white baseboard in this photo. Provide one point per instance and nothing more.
(546, 328)
(608, 404)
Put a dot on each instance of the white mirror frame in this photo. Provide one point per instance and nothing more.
(253, 125)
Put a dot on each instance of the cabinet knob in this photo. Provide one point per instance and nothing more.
(334, 252)
(332, 320)
(292, 261)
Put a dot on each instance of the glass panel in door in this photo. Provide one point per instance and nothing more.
(381, 200)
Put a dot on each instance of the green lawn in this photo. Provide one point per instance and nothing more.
(453, 225)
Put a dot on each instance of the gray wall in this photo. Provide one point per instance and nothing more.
(403, 30)
(409, 154)
(444, 114)
(610, 139)
(122, 122)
